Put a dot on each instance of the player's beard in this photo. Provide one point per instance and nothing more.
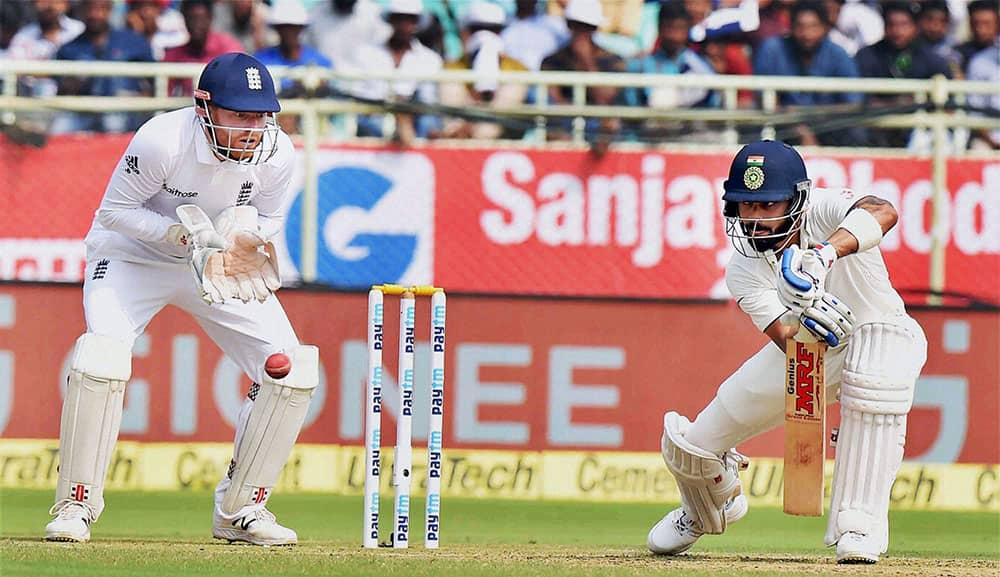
(775, 238)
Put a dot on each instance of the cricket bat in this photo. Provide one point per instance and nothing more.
(805, 428)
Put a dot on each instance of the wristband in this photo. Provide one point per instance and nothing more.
(863, 225)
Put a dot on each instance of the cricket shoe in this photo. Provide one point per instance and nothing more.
(677, 531)
(72, 522)
(258, 527)
(857, 549)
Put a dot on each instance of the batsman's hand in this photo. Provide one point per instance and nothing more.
(817, 262)
(802, 276)
(829, 319)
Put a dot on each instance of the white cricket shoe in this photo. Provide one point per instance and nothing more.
(677, 531)
(72, 522)
(258, 527)
(857, 548)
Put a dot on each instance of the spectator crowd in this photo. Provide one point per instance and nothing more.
(820, 38)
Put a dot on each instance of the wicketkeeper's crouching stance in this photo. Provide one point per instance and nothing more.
(224, 157)
(875, 353)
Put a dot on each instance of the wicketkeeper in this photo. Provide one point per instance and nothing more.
(875, 353)
(198, 190)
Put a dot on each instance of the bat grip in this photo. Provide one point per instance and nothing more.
(802, 335)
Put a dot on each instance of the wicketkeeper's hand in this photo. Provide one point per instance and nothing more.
(250, 260)
(207, 246)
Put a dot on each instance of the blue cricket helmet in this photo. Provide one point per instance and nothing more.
(239, 82)
(765, 171)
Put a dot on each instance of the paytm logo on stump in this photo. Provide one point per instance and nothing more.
(375, 219)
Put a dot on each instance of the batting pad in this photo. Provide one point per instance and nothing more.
(275, 420)
(704, 481)
(876, 393)
(91, 417)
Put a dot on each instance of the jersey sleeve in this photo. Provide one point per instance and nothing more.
(754, 295)
(270, 202)
(828, 207)
(140, 174)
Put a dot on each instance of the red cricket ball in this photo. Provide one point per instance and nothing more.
(278, 365)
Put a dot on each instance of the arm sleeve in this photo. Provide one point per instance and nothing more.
(757, 298)
(123, 206)
(827, 209)
(270, 203)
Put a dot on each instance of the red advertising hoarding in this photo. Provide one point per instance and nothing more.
(650, 225)
(637, 224)
(521, 373)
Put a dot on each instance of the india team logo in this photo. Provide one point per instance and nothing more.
(753, 177)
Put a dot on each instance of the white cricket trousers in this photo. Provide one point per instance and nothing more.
(752, 400)
(120, 298)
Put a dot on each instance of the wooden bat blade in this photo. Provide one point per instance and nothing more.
(805, 428)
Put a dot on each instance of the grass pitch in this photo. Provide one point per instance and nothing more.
(168, 534)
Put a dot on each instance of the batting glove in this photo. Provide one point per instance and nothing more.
(817, 262)
(829, 319)
(802, 276)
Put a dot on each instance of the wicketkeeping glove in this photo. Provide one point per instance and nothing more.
(255, 272)
(250, 260)
(207, 246)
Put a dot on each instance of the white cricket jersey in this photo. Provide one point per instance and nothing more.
(169, 163)
(860, 279)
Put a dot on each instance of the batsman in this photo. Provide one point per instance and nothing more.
(187, 220)
(833, 286)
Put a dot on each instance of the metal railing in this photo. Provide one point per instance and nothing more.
(935, 111)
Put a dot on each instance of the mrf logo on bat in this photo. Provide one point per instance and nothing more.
(801, 382)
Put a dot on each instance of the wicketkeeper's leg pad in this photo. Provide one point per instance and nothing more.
(91, 417)
(876, 393)
(275, 420)
(703, 478)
